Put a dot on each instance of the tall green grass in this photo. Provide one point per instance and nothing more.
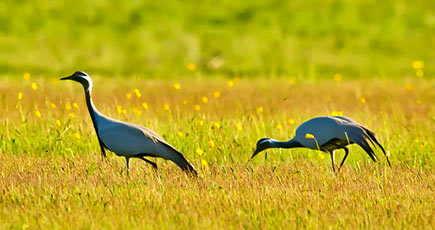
(306, 39)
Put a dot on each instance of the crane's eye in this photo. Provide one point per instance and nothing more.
(76, 75)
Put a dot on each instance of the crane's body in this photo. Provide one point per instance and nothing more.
(325, 128)
(327, 134)
(126, 139)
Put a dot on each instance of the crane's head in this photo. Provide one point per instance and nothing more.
(81, 77)
(262, 144)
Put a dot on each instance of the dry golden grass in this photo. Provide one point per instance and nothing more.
(82, 192)
(52, 175)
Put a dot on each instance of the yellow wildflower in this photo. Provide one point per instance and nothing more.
(204, 99)
(309, 136)
(336, 113)
(136, 111)
(52, 105)
(75, 105)
(260, 109)
(216, 125)
(145, 105)
(321, 155)
(409, 86)
(119, 109)
(419, 73)
(177, 86)
(72, 115)
(34, 86)
(230, 83)
(211, 144)
(197, 107)
(363, 100)
(77, 135)
(137, 92)
(68, 106)
(20, 95)
(423, 144)
(239, 127)
(166, 107)
(417, 64)
(290, 121)
(216, 94)
(128, 96)
(292, 81)
(184, 102)
(124, 111)
(57, 122)
(53, 81)
(37, 114)
(204, 162)
(200, 122)
(180, 134)
(26, 76)
(278, 127)
(337, 77)
(418, 101)
(199, 151)
(191, 66)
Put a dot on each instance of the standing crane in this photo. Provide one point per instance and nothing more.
(327, 134)
(126, 139)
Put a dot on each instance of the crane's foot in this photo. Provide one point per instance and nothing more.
(346, 151)
(125, 169)
(332, 162)
(104, 160)
(333, 170)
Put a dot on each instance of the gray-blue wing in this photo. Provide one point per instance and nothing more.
(131, 140)
(368, 135)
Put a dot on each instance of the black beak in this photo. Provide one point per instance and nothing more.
(66, 78)
(255, 153)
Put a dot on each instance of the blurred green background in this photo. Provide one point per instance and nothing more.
(227, 38)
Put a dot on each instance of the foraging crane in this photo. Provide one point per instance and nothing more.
(126, 139)
(327, 134)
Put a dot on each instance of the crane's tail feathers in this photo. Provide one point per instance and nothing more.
(359, 136)
(181, 161)
(177, 157)
(373, 139)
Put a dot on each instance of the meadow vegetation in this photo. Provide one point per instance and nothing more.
(212, 77)
(52, 175)
(154, 39)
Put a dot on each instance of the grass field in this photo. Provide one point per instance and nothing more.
(52, 175)
(213, 77)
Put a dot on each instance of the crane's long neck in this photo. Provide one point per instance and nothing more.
(285, 144)
(91, 107)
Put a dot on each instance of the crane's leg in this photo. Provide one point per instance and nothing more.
(346, 150)
(149, 162)
(103, 152)
(127, 159)
(332, 159)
